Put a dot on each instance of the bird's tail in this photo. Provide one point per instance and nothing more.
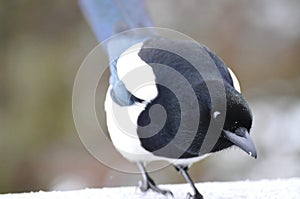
(108, 17)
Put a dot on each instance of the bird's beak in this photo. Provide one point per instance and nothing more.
(242, 139)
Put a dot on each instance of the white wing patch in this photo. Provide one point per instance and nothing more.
(137, 76)
(236, 83)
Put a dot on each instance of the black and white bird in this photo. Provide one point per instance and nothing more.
(168, 99)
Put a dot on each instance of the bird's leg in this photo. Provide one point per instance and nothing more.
(183, 171)
(148, 183)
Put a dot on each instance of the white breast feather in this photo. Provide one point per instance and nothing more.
(126, 140)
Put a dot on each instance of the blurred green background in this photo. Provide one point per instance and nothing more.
(42, 44)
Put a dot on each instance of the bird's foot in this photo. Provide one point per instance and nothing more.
(150, 184)
(197, 195)
(183, 171)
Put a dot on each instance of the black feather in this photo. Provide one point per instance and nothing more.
(177, 55)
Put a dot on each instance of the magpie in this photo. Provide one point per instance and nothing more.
(168, 99)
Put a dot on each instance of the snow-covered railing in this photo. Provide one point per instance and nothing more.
(262, 189)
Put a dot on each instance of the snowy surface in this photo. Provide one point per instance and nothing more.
(280, 188)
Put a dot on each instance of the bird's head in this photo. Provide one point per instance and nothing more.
(238, 122)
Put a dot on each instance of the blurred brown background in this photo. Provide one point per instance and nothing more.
(42, 44)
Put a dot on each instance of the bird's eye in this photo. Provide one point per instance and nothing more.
(216, 114)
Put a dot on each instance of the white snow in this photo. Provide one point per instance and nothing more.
(279, 188)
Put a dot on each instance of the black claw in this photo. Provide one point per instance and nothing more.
(168, 192)
(143, 186)
(147, 183)
(183, 171)
(189, 196)
(196, 196)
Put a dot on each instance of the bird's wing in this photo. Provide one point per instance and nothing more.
(109, 17)
(226, 72)
(223, 69)
(196, 64)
